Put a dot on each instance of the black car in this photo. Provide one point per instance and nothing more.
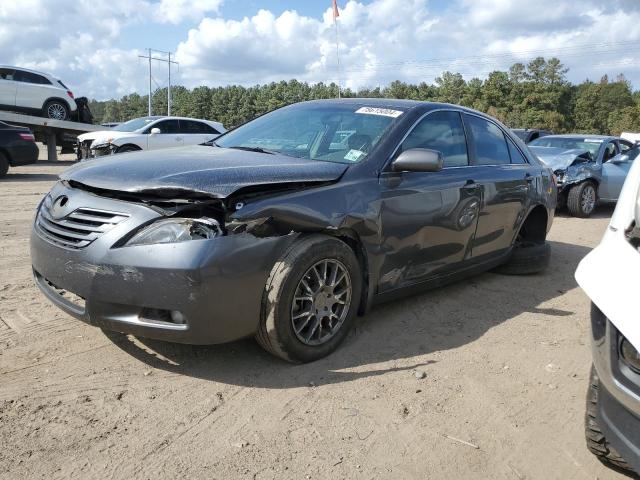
(17, 147)
(530, 134)
(289, 226)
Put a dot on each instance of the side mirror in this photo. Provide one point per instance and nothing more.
(155, 131)
(620, 158)
(418, 160)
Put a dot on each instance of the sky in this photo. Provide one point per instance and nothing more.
(93, 45)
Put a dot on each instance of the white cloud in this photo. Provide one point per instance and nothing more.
(382, 40)
(177, 11)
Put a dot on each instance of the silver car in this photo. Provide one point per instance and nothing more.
(588, 168)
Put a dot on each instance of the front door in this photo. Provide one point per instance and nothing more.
(614, 173)
(428, 218)
(168, 137)
(505, 179)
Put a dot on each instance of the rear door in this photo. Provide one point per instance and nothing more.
(33, 90)
(428, 218)
(7, 87)
(505, 180)
(169, 136)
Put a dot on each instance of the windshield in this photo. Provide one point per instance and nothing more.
(135, 124)
(330, 133)
(592, 145)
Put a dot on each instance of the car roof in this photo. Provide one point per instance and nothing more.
(29, 70)
(579, 135)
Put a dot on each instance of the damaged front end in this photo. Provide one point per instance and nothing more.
(570, 167)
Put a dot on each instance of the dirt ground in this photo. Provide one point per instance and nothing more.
(505, 360)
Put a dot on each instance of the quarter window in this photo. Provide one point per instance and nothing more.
(489, 144)
(441, 131)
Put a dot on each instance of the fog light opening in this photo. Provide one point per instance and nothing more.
(178, 317)
(629, 355)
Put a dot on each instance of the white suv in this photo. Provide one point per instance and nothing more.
(35, 92)
(148, 133)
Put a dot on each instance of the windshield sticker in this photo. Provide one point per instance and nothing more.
(353, 155)
(380, 111)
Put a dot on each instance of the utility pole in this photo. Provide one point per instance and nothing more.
(169, 62)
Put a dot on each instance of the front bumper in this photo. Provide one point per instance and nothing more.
(216, 284)
(619, 393)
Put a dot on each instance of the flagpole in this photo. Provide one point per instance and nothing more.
(335, 22)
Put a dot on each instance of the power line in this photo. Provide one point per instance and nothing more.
(169, 62)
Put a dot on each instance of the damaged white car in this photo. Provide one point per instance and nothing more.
(588, 168)
(608, 275)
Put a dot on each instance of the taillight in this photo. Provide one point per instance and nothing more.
(28, 137)
(70, 93)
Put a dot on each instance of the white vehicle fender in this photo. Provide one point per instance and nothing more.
(609, 273)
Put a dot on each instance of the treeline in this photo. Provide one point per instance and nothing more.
(535, 95)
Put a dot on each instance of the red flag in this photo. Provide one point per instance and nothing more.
(336, 13)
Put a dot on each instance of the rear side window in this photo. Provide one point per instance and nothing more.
(441, 131)
(192, 126)
(489, 144)
(6, 73)
(516, 155)
(28, 77)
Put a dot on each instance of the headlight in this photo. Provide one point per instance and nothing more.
(176, 230)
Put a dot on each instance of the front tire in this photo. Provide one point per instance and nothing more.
(596, 441)
(311, 300)
(581, 200)
(56, 110)
(527, 258)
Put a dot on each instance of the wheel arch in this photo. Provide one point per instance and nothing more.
(128, 144)
(60, 99)
(534, 226)
(353, 241)
(4, 152)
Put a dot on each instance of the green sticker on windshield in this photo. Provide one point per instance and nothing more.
(353, 155)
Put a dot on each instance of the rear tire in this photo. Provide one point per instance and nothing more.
(277, 333)
(581, 200)
(527, 258)
(596, 441)
(56, 110)
(4, 165)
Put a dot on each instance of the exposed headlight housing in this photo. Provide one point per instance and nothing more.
(176, 230)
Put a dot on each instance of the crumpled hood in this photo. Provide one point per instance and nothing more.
(100, 134)
(557, 158)
(213, 171)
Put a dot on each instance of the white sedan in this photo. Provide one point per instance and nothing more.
(148, 133)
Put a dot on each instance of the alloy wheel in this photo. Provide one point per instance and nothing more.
(588, 199)
(321, 302)
(56, 111)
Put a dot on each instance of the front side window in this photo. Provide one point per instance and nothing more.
(323, 132)
(610, 151)
(489, 144)
(443, 132)
(166, 126)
